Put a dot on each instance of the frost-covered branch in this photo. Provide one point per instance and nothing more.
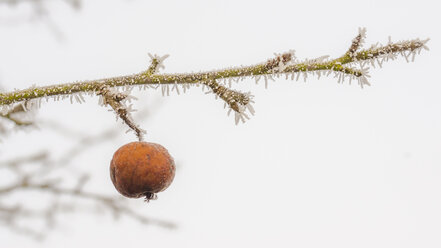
(237, 101)
(353, 65)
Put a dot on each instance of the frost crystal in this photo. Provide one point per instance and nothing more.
(156, 63)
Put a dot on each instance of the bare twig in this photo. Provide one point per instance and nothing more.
(356, 43)
(115, 100)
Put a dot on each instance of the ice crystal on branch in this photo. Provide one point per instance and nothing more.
(280, 62)
(156, 63)
(237, 101)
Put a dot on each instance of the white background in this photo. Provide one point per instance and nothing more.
(321, 164)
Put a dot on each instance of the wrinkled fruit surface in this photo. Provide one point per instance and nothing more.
(141, 169)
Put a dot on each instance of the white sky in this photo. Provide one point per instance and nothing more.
(320, 165)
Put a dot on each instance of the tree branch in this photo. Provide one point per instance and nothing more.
(282, 64)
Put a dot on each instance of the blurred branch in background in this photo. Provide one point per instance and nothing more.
(37, 11)
(13, 115)
(15, 119)
(58, 188)
(39, 6)
(76, 4)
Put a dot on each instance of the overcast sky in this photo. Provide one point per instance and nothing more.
(321, 164)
